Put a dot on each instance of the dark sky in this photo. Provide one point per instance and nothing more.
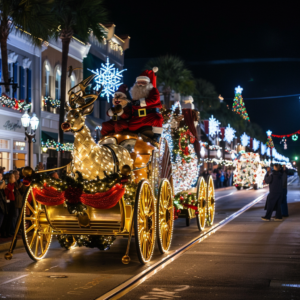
(229, 43)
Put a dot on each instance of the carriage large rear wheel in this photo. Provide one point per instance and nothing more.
(144, 221)
(165, 216)
(201, 197)
(37, 233)
(210, 201)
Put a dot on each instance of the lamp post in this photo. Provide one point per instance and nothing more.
(33, 122)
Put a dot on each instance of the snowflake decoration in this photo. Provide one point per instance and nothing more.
(213, 126)
(255, 144)
(229, 134)
(263, 148)
(245, 139)
(109, 77)
(238, 90)
(268, 151)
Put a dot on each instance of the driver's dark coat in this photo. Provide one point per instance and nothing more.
(275, 185)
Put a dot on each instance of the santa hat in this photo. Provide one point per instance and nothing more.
(149, 76)
(122, 91)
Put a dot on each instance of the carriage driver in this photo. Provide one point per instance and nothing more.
(146, 106)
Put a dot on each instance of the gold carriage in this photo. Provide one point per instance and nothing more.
(150, 219)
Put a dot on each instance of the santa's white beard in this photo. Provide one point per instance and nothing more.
(137, 92)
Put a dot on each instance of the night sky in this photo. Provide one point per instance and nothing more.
(256, 46)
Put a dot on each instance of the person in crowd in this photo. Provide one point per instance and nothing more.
(226, 178)
(40, 166)
(54, 175)
(218, 182)
(274, 179)
(3, 206)
(13, 212)
(284, 205)
(222, 178)
(20, 190)
(214, 176)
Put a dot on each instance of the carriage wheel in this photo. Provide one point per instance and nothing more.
(144, 221)
(201, 196)
(210, 201)
(165, 216)
(37, 233)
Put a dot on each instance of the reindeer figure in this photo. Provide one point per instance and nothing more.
(89, 158)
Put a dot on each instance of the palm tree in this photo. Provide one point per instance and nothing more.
(31, 17)
(206, 96)
(172, 76)
(79, 18)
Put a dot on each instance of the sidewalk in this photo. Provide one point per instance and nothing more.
(246, 259)
(5, 243)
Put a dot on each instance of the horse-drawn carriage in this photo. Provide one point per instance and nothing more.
(124, 186)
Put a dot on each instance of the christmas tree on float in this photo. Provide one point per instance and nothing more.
(238, 105)
(270, 143)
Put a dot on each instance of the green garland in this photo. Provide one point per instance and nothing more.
(185, 198)
(13, 103)
(57, 146)
(181, 142)
(53, 103)
(101, 242)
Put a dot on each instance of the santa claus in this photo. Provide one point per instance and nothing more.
(120, 113)
(146, 105)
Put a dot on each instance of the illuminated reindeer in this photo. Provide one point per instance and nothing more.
(90, 158)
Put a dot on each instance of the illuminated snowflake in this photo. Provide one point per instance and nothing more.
(245, 139)
(263, 148)
(213, 126)
(255, 144)
(109, 77)
(229, 134)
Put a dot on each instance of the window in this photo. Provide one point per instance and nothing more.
(57, 84)
(19, 146)
(4, 144)
(15, 73)
(4, 160)
(19, 160)
(28, 85)
(22, 83)
(72, 80)
(47, 80)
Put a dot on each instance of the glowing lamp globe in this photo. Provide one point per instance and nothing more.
(34, 122)
(232, 156)
(25, 120)
(219, 153)
(202, 152)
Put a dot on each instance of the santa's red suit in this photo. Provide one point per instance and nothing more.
(147, 110)
(119, 121)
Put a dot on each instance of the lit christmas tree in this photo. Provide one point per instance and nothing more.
(270, 143)
(239, 105)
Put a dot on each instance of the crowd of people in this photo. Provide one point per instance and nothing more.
(222, 177)
(12, 192)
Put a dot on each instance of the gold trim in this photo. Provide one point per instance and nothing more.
(142, 110)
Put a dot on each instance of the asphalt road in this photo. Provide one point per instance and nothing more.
(241, 260)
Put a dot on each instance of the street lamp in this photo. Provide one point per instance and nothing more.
(219, 153)
(30, 135)
(232, 156)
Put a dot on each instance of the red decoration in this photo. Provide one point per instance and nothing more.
(73, 195)
(49, 196)
(286, 135)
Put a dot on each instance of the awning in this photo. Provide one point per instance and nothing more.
(47, 135)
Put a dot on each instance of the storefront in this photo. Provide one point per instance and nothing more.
(13, 147)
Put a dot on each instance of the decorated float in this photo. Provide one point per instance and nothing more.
(128, 185)
(248, 171)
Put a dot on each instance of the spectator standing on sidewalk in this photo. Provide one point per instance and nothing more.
(218, 182)
(13, 212)
(3, 207)
(274, 198)
(222, 178)
(284, 205)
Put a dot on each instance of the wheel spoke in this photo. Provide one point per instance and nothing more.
(30, 207)
(33, 238)
(30, 228)
(36, 246)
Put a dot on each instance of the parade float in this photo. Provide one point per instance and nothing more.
(248, 171)
(129, 184)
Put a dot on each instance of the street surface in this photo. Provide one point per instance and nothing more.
(245, 259)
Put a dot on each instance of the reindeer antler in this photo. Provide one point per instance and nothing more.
(95, 97)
